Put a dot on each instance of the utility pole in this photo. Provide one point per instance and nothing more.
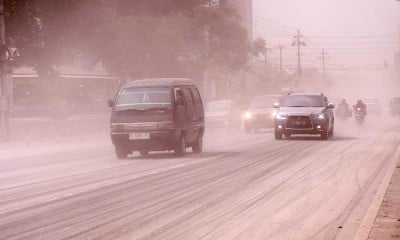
(265, 59)
(323, 58)
(280, 59)
(297, 41)
(397, 55)
(4, 103)
(266, 49)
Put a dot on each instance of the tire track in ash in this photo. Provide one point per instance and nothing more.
(332, 226)
(150, 181)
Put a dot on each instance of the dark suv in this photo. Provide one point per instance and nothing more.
(157, 115)
(304, 113)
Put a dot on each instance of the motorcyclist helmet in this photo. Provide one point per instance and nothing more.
(359, 101)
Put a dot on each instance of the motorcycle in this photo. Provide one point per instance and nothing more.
(360, 116)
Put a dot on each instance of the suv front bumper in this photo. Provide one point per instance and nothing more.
(318, 126)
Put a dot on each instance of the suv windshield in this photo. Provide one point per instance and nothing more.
(144, 99)
(303, 101)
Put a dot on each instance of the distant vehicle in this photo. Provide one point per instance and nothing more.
(223, 113)
(157, 115)
(261, 113)
(360, 116)
(343, 111)
(395, 106)
(373, 106)
(304, 113)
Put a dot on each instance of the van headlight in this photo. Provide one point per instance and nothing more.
(117, 126)
(281, 116)
(166, 125)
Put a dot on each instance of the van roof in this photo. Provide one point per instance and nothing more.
(170, 82)
(307, 94)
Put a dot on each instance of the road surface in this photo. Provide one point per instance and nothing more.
(241, 187)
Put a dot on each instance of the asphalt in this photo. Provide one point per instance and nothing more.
(242, 187)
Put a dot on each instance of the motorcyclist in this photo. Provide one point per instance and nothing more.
(362, 106)
(343, 105)
(343, 109)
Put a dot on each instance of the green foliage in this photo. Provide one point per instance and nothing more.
(133, 39)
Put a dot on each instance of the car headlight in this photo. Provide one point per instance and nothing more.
(320, 116)
(281, 116)
(248, 115)
(273, 114)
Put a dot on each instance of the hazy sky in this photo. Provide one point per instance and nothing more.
(355, 33)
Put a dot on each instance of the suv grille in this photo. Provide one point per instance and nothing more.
(299, 122)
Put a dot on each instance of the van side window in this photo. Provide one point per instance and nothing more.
(196, 97)
(187, 96)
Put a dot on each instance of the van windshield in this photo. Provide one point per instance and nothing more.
(143, 99)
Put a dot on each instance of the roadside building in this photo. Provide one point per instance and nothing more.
(73, 90)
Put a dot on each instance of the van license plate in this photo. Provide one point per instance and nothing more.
(137, 136)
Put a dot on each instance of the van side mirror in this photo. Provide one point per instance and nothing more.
(277, 105)
(111, 103)
(331, 105)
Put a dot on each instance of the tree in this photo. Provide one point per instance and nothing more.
(133, 39)
(259, 46)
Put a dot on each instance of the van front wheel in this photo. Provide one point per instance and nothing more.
(197, 146)
(121, 152)
(180, 148)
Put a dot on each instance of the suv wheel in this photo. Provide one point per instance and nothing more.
(278, 134)
(325, 135)
(180, 148)
(288, 135)
(121, 152)
(331, 133)
(197, 146)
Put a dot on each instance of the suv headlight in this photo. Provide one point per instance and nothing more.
(281, 116)
(320, 116)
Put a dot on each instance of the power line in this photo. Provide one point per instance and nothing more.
(389, 35)
(269, 22)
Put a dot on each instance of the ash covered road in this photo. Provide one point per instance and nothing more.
(241, 187)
